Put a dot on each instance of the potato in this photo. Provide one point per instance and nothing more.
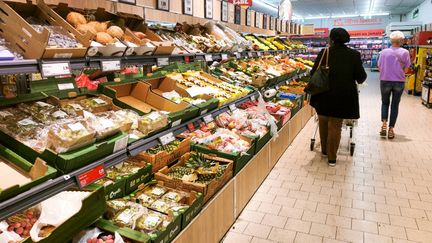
(76, 19)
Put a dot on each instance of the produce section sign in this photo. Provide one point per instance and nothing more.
(91, 176)
(357, 21)
(322, 31)
(366, 33)
(243, 3)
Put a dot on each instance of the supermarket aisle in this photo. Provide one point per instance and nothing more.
(382, 194)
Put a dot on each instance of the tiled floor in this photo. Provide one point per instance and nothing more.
(382, 194)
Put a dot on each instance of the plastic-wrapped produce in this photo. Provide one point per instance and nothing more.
(68, 136)
(151, 122)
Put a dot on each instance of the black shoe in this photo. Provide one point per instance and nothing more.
(332, 163)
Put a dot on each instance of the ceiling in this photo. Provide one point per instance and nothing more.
(305, 8)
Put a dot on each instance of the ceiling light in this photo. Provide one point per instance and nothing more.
(317, 17)
(374, 14)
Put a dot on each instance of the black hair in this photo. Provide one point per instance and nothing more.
(339, 36)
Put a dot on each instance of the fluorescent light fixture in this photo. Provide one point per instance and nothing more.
(345, 16)
(374, 14)
(317, 17)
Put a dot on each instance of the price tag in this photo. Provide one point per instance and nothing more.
(232, 107)
(167, 138)
(111, 65)
(191, 126)
(203, 112)
(187, 59)
(121, 144)
(209, 58)
(259, 53)
(65, 86)
(91, 176)
(176, 123)
(224, 56)
(250, 54)
(238, 55)
(207, 119)
(253, 98)
(163, 61)
(55, 69)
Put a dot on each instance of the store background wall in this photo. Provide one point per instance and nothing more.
(424, 15)
(354, 23)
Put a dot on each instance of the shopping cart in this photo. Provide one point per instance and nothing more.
(348, 124)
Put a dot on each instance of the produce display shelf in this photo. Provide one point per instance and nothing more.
(49, 188)
(35, 66)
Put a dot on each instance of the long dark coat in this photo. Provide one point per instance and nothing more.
(342, 100)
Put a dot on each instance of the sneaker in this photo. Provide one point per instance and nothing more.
(332, 163)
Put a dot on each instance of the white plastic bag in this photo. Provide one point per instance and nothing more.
(93, 233)
(56, 210)
(8, 236)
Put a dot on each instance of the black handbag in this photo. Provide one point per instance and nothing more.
(319, 82)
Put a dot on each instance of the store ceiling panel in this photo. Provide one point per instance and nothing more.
(308, 8)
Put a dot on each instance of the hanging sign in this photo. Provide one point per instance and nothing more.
(245, 3)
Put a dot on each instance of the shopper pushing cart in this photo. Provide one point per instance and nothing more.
(341, 101)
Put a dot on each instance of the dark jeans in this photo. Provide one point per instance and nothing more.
(330, 129)
(395, 90)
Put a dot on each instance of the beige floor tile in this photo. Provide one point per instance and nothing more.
(351, 213)
(349, 235)
(424, 225)
(291, 212)
(282, 235)
(326, 231)
(389, 209)
(377, 217)
(251, 216)
(233, 237)
(413, 213)
(328, 208)
(284, 201)
(419, 235)
(392, 231)
(239, 226)
(306, 205)
(365, 205)
(403, 221)
(273, 220)
(253, 205)
(314, 217)
(269, 208)
(338, 221)
(258, 230)
(298, 225)
(374, 238)
(304, 238)
(365, 226)
(259, 240)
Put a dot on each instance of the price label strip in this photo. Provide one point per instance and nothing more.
(167, 138)
(163, 61)
(232, 107)
(209, 57)
(253, 98)
(91, 176)
(224, 56)
(250, 54)
(111, 65)
(207, 119)
(176, 123)
(237, 55)
(52, 69)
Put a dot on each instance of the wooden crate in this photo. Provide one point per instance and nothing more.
(208, 190)
(164, 158)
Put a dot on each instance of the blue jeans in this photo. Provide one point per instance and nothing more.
(395, 90)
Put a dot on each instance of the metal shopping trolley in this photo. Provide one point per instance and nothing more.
(348, 124)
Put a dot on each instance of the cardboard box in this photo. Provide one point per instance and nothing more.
(31, 43)
(162, 47)
(162, 85)
(95, 49)
(19, 175)
(208, 190)
(164, 158)
(138, 96)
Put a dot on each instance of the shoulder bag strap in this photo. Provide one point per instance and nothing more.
(399, 59)
(322, 57)
(328, 54)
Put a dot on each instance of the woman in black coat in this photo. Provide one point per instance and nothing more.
(342, 100)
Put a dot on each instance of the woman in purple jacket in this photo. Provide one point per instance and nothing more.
(393, 63)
